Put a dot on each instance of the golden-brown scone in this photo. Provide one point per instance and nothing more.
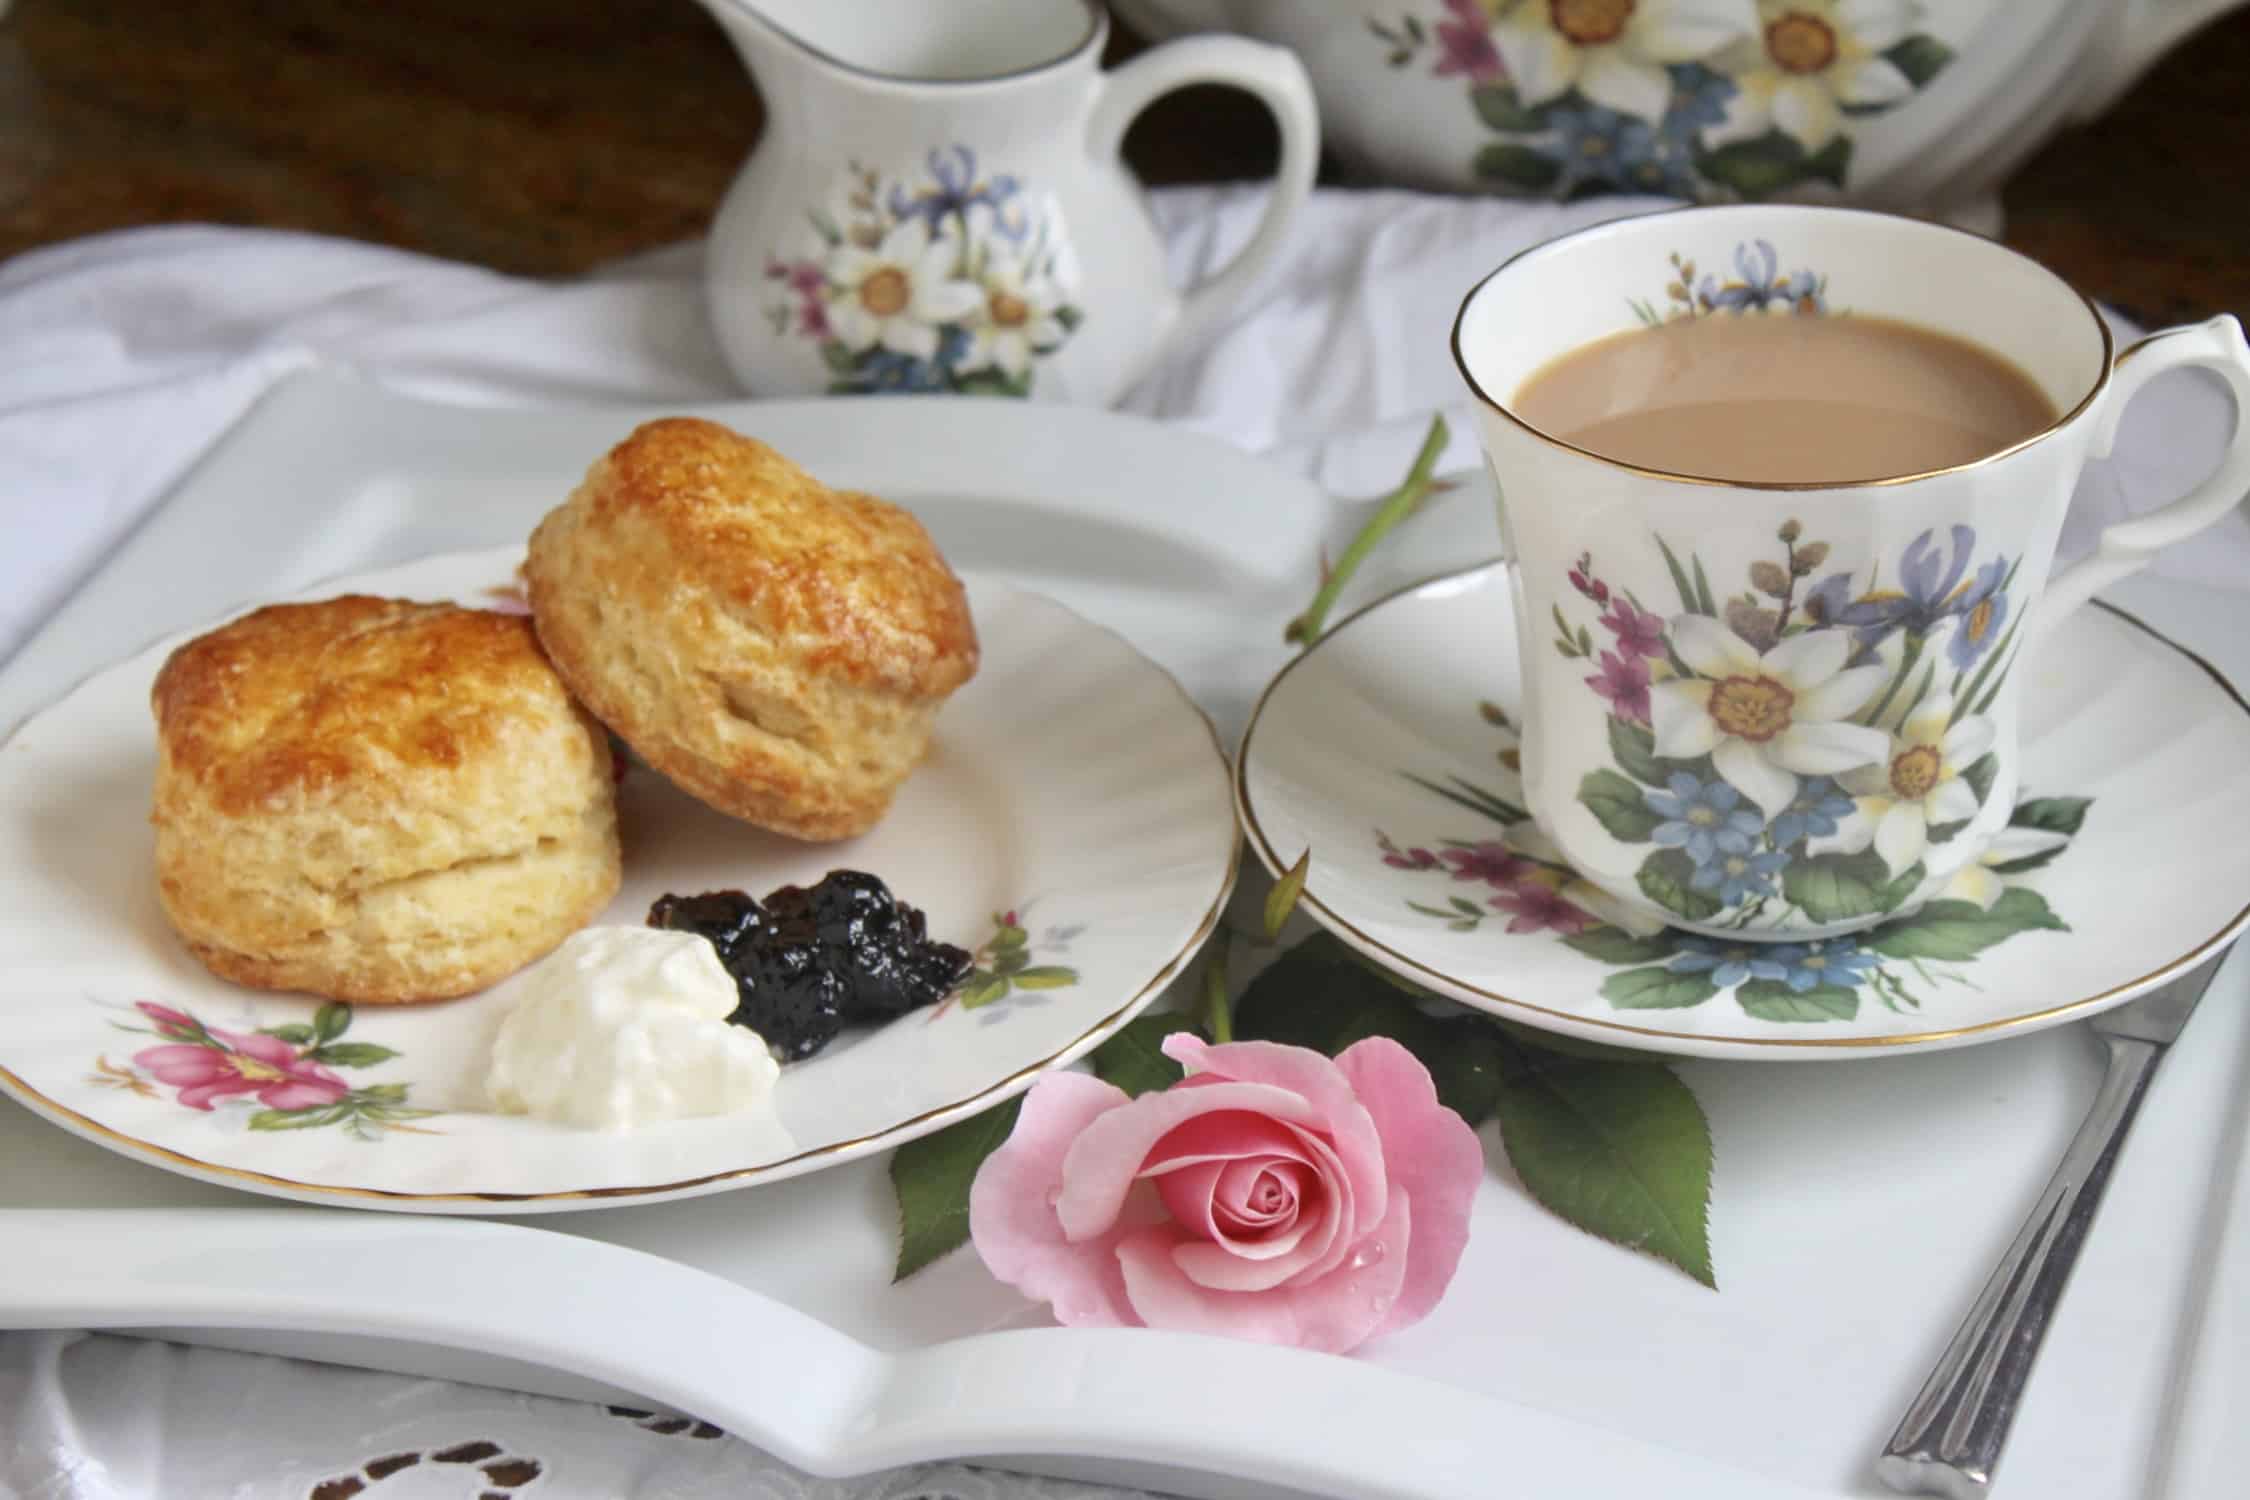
(376, 800)
(776, 648)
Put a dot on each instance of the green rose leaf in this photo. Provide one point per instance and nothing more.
(1570, 1046)
(1614, 945)
(982, 989)
(1621, 1150)
(1757, 168)
(1920, 58)
(1957, 930)
(1518, 167)
(296, 1033)
(1319, 995)
(1657, 989)
(931, 1177)
(1618, 805)
(330, 1021)
(1046, 977)
(1838, 887)
(1981, 773)
(1498, 106)
(351, 1054)
(1771, 1000)
(1133, 1059)
(1635, 750)
(2063, 815)
(1664, 878)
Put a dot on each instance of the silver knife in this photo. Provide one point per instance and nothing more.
(1950, 1439)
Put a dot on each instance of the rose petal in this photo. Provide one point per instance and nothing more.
(1012, 1218)
(1194, 1197)
(1313, 1078)
(1333, 1314)
(1256, 1195)
(1223, 1137)
(1100, 1165)
(1433, 1158)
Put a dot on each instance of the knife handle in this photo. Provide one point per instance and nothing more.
(1950, 1439)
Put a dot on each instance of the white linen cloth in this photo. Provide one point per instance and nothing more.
(126, 355)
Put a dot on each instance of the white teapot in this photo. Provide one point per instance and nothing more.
(938, 203)
(1920, 106)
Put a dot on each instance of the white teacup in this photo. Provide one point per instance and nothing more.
(1789, 710)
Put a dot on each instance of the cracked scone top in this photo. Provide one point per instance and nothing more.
(776, 648)
(376, 800)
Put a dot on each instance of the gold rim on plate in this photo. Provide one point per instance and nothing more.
(1451, 987)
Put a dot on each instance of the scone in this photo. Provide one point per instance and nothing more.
(377, 801)
(776, 648)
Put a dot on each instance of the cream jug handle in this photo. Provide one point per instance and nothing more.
(2129, 546)
(1278, 80)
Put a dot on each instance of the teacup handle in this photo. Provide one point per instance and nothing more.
(2129, 546)
(1278, 80)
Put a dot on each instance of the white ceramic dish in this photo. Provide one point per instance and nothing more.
(1855, 1210)
(1372, 750)
(1072, 789)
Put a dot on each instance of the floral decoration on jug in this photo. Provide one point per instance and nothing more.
(1712, 100)
(954, 281)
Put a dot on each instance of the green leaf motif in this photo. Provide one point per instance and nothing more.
(1839, 887)
(1771, 1000)
(1619, 806)
(1046, 977)
(351, 1054)
(1657, 989)
(1958, 930)
(1010, 936)
(1664, 877)
(1679, 577)
(2060, 815)
(1614, 945)
(383, 1093)
(932, 1176)
(1981, 773)
(993, 383)
(1320, 995)
(1009, 960)
(982, 988)
(1499, 107)
(1282, 899)
(330, 1021)
(1517, 167)
(1757, 168)
(1621, 1150)
(299, 1119)
(1832, 162)
(1635, 750)
(1133, 1059)
(296, 1033)
(840, 359)
(1921, 58)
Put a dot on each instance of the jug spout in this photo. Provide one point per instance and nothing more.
(907, 41)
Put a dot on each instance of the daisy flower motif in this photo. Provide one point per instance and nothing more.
(1016, 320)
(1812, 60)
(1766, 718)
(1980, 882)
(897, 294)
(1614, 52)
(1918, 785)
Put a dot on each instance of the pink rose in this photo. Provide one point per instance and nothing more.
(1271, 1195)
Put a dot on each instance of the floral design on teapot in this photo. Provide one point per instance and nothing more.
(951, 281)
(1712, 100)
(1802, 747)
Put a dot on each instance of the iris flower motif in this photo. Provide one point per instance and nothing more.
(1927, 580)
(955, 189)
(1983, 609)
(1758, 284)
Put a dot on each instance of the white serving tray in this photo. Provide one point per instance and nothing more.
(1856, 1208)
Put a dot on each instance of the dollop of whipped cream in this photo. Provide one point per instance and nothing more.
(625, 1026)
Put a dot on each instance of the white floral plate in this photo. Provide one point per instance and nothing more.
(1071, 825)
(1387, 750)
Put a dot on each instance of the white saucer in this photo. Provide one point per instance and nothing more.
(1385, 750)
(1071, 825)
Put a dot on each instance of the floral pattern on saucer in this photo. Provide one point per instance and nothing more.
(1802, 750)
(956, 281)
(1520, 882)
(287, 1069)
(1708, 100)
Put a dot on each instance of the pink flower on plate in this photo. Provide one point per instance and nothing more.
(1623, 680)
(1465, 47)
(169, 1022)
(244, 1064)
(1272, 1195)
(1404, 859)
(1536, 906)
(1491, 862)
(1639, 632)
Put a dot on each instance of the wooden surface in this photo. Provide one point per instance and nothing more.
(548, 137)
